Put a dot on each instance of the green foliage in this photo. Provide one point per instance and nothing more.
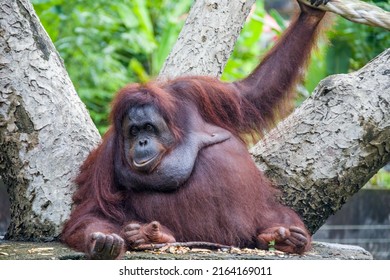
(271, 246)
(354, 45)
(107, 44)
(380, 180)
(351, 46)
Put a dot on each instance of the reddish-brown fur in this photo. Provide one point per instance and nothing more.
(226, 199)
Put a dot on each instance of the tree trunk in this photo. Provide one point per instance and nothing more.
(207, 38)
(332, 144)
(45, 130)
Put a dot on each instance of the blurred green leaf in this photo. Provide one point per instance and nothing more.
(138, 68)
(127, 16)
(141, 11)
(338, 57)
(279, 19)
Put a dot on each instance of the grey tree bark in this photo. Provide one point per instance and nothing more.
(45, 130)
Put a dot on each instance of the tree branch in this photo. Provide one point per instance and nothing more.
(207, 38)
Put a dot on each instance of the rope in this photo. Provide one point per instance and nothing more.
(356, 11)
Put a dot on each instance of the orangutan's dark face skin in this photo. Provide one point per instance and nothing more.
(147, 138)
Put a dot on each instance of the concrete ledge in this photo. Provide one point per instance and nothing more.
(10, 250)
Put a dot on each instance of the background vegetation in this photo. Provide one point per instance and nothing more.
(107, 44)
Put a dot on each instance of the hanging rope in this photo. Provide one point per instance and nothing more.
(357, 11)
